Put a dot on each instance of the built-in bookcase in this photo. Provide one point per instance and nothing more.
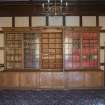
(70, 49)
(14, 51)
(81, 48)
(52, 51)
(32, 50)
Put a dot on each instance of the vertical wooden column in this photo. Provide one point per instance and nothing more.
(30, 21)
(13, 21)
(81, 21)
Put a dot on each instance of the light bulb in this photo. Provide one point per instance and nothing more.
(48, 1)
(66, 4)
(43, 5)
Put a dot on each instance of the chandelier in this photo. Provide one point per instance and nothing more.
(54, 7)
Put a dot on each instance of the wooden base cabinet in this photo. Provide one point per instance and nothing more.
(9, 79)
(52, 80)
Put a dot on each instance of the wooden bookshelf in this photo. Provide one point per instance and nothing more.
(52, 58)
(52, 51)
(14, 51)
(53, 48)
(31, 50)
(81, 49)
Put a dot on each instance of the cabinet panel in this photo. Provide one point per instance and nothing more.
(102, 22)
(9, 80)
(72, 20)
(28, 80)
(38, 21)
(45, 80)
(55, 21)
(89, 20)
(22, 21)
(74, 79)
(52, 80)
(57, 80)
(94, 79)
(78, 79)
(68, 80)
(5, 21)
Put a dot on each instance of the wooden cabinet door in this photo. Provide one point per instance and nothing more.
(9, 80)
(94, 79)
(78, 79)
(45, 80)
(28, 79)
(68, 80)
(74, 80)
(58, 80)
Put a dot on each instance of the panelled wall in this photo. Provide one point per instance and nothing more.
(70, 21)
(55, 80)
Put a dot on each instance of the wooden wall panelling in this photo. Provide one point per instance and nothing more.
(68, 80)
(102, 22)
(78, 79)
(32, 9)
(58, 80)
(89, 20)
(55, 20)
(64, 22)
(1, 80)
(102, 39)
(102, 56)
(29, 80)
(52, 80)
(1, 49)
(47, 20)
(30, 21)
(72, 20)
(94, 79)
(97, 21)
(5, 21)
(13, 21)
(1, 56)
(80, 23)
(22, 21)
(74, 79)
(28, 9)
(38, 21)
(1, 39)
(9, 80)
(45, 80)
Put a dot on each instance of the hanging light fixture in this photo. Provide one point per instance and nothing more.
(54, 7)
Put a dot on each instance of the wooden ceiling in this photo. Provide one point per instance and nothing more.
(33, 7)
(70, 2)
